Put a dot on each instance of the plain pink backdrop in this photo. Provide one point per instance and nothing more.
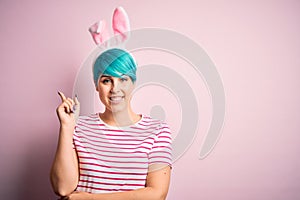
(254, 44)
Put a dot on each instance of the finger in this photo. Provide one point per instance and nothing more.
(66, 107)
(72, 104)
(76, 108)
(62, 96)
(76, 100)
(76, 105)
(71, 101)
(69, 105)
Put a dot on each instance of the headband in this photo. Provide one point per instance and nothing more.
(121, 29)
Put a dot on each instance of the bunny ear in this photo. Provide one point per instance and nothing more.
(121, 24)
(99, 32)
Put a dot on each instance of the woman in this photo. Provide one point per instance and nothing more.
(117, 154)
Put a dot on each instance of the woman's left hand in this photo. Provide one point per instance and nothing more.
(77, 196)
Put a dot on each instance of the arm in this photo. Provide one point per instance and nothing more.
(64, 172)
(157, 185)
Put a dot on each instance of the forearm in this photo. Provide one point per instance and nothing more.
(157, 186)
(64, 172)
(147, 193)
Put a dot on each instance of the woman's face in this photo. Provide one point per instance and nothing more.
(115, 93)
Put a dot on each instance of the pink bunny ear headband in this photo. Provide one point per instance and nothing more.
(121, 28)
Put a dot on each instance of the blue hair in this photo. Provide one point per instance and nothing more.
(114, 62)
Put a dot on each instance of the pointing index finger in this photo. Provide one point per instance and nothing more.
(62, 96)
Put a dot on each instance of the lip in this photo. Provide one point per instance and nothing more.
(116, 99)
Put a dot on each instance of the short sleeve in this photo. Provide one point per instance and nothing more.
(161, 151)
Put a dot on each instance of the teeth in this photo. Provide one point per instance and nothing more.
(116, 98)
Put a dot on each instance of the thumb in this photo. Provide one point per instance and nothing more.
(76, 108)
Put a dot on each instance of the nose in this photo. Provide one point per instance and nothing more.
(115, 87)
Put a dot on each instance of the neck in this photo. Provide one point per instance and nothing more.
(121, 118)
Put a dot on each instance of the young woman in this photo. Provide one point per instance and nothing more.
(114, 155)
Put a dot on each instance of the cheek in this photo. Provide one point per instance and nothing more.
(128, 88)
(103, 91)
(102, 97)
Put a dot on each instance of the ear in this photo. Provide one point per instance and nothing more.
(121, 25)
(96, 85)
(99, 32)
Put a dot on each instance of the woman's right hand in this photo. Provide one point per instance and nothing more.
(68, 111)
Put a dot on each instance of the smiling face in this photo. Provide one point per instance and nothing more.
(115, 93)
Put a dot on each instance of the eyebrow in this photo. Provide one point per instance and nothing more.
(105, 76)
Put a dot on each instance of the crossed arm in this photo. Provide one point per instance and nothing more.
(64, 177)
(156, 189)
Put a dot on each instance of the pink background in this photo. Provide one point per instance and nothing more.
(254, 44)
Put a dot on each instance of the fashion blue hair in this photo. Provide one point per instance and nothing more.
(114, 62)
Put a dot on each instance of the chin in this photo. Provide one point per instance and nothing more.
(118, 108)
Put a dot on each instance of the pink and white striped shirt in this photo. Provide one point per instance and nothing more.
(117, 158)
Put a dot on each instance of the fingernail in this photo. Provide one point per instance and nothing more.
(73, 108)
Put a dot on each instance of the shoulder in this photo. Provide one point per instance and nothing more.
(87, 119)
(158, 124)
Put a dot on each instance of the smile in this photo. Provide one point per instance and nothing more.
(116, 99)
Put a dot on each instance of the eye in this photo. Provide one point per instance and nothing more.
(123, 79)
(106, 81)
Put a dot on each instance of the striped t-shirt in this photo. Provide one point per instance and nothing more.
(117, 158)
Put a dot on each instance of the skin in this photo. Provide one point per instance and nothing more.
(115, 94)
(117, 113)
(64, 172)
